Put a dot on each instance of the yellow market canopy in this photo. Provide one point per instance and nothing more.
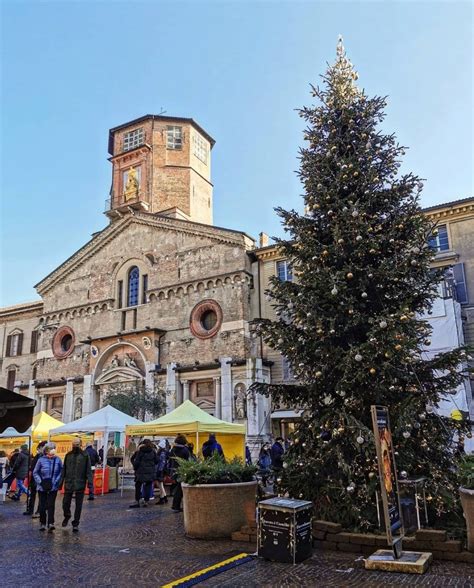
(42, 423)
(190, 420)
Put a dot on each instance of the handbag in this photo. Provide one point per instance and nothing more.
(47, 483)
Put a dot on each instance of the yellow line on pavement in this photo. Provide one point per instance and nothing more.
(205, 570)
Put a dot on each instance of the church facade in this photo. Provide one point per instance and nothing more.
(160, 299)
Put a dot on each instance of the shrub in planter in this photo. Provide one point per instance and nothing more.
(466, 478)
(219, 497)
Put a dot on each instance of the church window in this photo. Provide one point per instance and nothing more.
(206, 319)
(133, 286)
(174, 137)
(284, 271)
(200, 148)
(14, 344)
(209, 320)
(63, 342)
(133, 139)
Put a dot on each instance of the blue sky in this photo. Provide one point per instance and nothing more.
(72, 70)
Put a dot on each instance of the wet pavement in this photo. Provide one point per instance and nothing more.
(147, 547)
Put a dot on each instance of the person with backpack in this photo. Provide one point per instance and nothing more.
(47, 474)
(76, 474)
(211, 447)
(144, 463)
(20, 470)
(179, 450)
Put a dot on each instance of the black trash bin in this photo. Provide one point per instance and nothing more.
(284, 530)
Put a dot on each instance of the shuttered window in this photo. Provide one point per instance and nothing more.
(14, 345)
(11, 377)
(34, 342)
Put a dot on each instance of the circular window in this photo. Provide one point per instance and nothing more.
(63, 342)
(206, 319)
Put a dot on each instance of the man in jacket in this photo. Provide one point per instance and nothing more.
(94, 457)
(75, 475)
(20, 471)
(211, 446)
(276, 453)
(179, 449)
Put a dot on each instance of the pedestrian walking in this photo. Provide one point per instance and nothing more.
(30, 509)
(211, 447)
(264, 462)
(161, 470)
(95, 459)
(4, 468)
(75, 475)
(20, 470)
(179, 449)
(47, 474)
(144, 463)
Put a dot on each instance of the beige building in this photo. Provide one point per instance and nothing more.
(160, 298)
(454, 245)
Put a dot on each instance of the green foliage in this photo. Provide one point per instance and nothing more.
(215, 470)
(466, 472)
(351, 323)
(136, 400)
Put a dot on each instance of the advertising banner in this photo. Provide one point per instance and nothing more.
(388, 478)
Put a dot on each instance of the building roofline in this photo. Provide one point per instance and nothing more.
(462, 201)
(162, 117)
(21, 307)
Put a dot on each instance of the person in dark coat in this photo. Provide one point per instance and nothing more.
(276, 453)
(144, 463)
(211, 446)
(179, 449)
(20, 471)
(95, 459)
(265, 462)
(75, 475)
(33, 490)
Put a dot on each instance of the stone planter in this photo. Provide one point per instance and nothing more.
(467, 501)
(217, 510)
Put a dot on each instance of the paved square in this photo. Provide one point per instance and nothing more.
(119, 547)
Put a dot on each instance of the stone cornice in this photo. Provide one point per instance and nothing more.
(102, 238)
(268, 253)
(9, 312)
(79, 310)
(457, 212)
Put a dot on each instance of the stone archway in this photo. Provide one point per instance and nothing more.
(121, 367)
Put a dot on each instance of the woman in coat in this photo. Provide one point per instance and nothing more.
(161, 469)
(179, 449)
(144, 463)
(47, 474)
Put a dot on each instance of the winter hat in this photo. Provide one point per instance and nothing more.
(162, 444)
(24, 446)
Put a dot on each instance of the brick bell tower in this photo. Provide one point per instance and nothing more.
(161, 164)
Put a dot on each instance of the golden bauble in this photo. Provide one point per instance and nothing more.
(325, 253)
(398, 347)
(349, 276)
(372, 371)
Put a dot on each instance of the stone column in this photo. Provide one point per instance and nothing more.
(149, 376)
(31, 390)
(87, 400)
(42, 403)
(68, 401)
(170, 387)
(185, 384)
(217, 388)
(226, 389)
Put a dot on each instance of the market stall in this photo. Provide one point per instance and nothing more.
(100, 423)
(190, 420)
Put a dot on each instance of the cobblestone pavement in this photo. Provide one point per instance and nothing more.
(147, 548)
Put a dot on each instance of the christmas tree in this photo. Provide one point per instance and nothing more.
(350, 323)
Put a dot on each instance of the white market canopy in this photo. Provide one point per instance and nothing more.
(106, 419)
